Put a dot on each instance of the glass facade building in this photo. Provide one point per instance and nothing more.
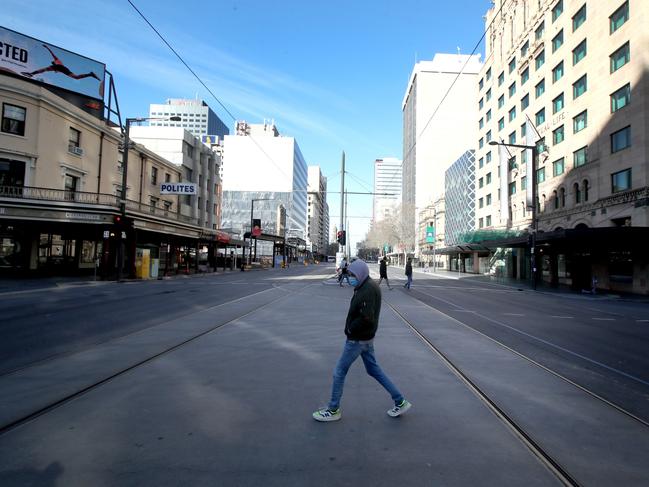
(459, 182)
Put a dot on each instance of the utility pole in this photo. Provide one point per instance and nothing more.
(341, 248)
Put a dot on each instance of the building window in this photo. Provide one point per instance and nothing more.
(557, 104)
(501, 124)
(540, 30)
(523, 152)
(511, 163)
(523, 183)
(13, 119)
(481, 162)
(619, 17)
(501, 78)
(586, 188)
(71, 186)
(153, 203)
(481, 203)
(488, 94)
(579, 18)
(501, 101)
(512, 138)
(480, 182)
(539, 60)
(488, 201)
(557, 10)
(480, 223)
(620, 57)
(621, 181)
(621, 98)
(512, 89)
(540, 116)
(556, 199)
(557, 167)
(580, 122)
(488, 181)
(523, 130)
(621, 139)
(525, 75)
(488, 157)
(557, 135)
(512, 65)
(580, 156)
(540, 88)
(481, 123)
(562, 195)
(167, 177)
(489, 136)
(579, 52)
(525, 48)
(74, 139)
(557, 41)
(512, 188)
(577, 191)
(488, 74)
(488, 220)
(154, 175)
(557, 72)
(579, 87)
(488, 115)
(167, 206)
(481, 83)
(540, 175)
(480, 104)
(525, 102)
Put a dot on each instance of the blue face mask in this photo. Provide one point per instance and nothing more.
(353, 281)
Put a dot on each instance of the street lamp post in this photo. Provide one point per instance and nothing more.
(534, 198)
(122, 202)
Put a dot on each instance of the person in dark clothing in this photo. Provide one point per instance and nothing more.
(408, 274)
(343, 272)
(383, 272)
(360, 328)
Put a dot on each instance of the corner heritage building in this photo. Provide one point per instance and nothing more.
(578, 70)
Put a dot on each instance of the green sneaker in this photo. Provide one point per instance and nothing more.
(399, 409)
(326, 414)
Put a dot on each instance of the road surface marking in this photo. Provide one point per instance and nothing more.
(513, 314)
(642, 321)
(604, 319)
(563, 317)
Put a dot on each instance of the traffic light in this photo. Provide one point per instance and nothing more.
(341, 237)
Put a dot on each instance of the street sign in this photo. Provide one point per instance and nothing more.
(106, 233)
(178, 188)
(430, 234)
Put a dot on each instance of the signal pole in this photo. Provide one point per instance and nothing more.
(341, 247)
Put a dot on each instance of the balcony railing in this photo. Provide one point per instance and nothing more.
(80, 197)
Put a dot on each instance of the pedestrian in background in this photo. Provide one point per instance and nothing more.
(383, 272)
(343, 272)
(408, 273)
(360, 328)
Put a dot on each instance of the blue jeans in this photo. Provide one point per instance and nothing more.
(409, 282)
(350, 353)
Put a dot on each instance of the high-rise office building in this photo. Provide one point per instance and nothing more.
(439, 113)
(387, 185)
(578, 71)
(196, 117)
(262, 165)
(317, 212)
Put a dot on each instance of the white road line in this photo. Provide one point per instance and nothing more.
(562, 317)
(604, 319)
(642, 321)
(513, 314)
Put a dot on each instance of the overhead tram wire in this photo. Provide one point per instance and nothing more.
(475, 48)
(180, 58)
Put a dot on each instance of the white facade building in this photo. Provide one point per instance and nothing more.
(317, 211)
(438, 124)
(199, 163)
(387, 179)
(259, 163)
(196, 117)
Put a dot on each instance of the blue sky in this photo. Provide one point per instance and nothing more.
(332, 74)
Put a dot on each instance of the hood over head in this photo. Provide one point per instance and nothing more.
(360, 270)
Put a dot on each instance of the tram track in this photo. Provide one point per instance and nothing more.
(553, 465)
(66, 398)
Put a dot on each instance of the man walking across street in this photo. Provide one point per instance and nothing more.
(383, 272)
(360, 328)
(408, 273)
(343, 272)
